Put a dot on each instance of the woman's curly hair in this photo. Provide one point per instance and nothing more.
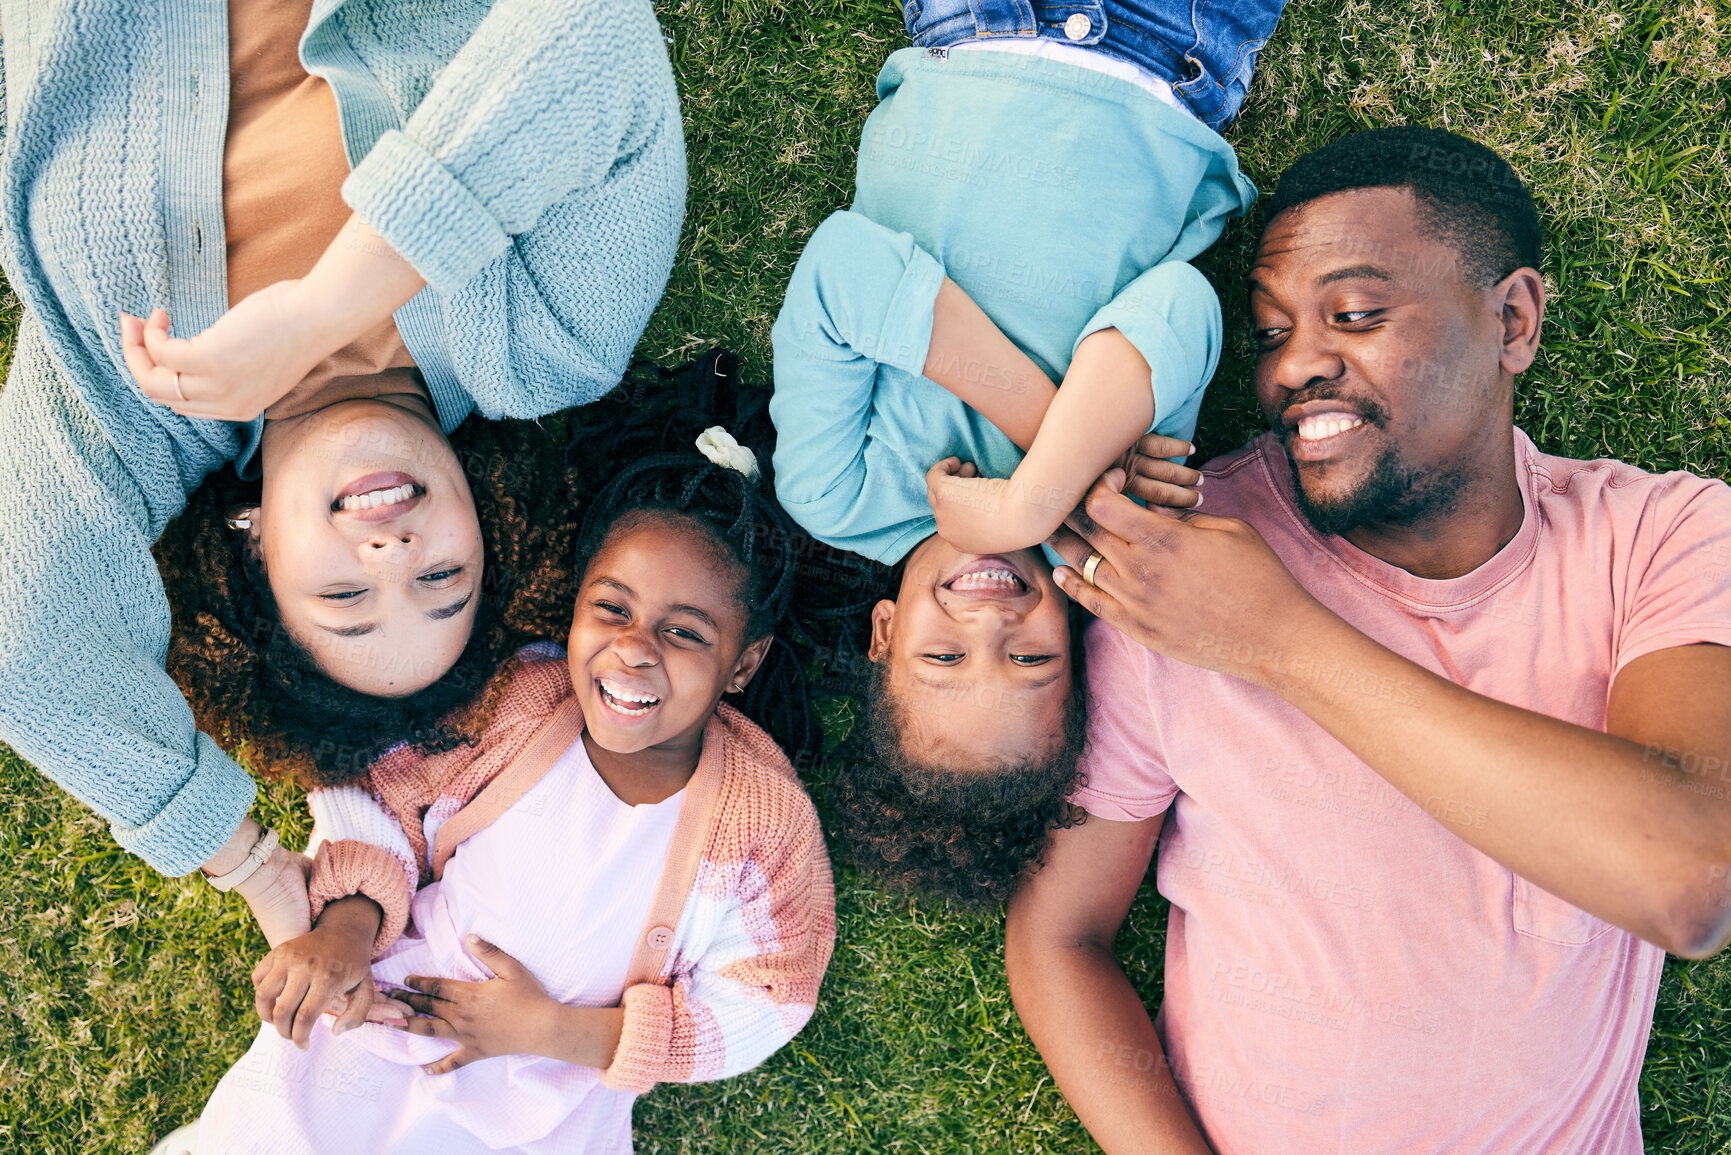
(966, 835)
(252, 686)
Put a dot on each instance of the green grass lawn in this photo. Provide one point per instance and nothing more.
(126, 994)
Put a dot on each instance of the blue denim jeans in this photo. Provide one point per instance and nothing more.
(1205, 49)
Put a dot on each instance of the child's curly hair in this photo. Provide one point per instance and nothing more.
(966, 835)
(251, 685)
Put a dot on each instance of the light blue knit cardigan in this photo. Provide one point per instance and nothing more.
(525, 156)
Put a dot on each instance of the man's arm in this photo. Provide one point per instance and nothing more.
(1605, 821)
(1081, 1011)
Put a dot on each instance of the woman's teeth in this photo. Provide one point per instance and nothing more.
(1323, 425)
(379, 497)
(627, 702)
(986, 579)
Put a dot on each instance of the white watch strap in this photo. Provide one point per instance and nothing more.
(255, 858)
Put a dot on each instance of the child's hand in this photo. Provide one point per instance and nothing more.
(983, 515)
(508, 1015)
(1157, 481)
(328, 968)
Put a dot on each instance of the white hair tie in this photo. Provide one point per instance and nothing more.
(718, 445)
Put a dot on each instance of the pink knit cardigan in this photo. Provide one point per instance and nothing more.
(747, 879)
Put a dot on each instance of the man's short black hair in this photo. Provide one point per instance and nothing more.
(1468, 196)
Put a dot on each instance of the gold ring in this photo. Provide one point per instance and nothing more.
(178, 391)
(1092, 564)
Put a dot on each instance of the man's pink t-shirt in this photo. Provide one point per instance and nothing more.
(1343, 973)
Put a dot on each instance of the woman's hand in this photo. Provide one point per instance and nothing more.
(265, 345)
(277, 895)
(508, 1015)
(234, 370)
(328, 968)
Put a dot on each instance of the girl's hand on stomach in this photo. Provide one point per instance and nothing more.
(328, 968)
(1153, 479)
(508, 1015)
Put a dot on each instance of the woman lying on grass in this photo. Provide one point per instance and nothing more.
(464, 218)
(622, 883)
(1030, 188)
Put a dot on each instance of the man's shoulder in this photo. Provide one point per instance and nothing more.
(1625, 493)
(1230, 465)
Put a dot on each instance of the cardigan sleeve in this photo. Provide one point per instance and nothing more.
(755, 984)
(539, 188)
(359, 848)
(84, 621)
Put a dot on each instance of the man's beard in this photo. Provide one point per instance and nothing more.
(1390, 494)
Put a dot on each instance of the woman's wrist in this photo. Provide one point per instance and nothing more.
(357, 284)
(234, 851)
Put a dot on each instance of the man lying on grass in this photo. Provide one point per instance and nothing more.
(1426, 731)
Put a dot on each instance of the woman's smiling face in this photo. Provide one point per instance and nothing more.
(370, 540)
(658, 635)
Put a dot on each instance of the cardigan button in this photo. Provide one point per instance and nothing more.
(660, 937)
(1078, 26)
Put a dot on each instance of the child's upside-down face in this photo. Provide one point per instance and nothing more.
(979, 655)
(658, 635)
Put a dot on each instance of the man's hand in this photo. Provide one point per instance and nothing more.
(328, 968)
(1179, 583)
(508, 1015)
(1151, 478)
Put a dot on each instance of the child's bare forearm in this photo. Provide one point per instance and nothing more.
(356, 918)
(972, 358)
(1105, 405)
(586, 1036)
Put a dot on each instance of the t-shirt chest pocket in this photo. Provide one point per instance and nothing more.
(1539, 914)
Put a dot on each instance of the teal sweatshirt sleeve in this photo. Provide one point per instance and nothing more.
(859, 304)
(1171, 314)
(84, 630)
(540, 180)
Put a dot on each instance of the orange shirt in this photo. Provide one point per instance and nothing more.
(282, 173)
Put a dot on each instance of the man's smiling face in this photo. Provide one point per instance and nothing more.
(1378, 364)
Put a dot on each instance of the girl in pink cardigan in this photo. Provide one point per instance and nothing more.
(621, 882)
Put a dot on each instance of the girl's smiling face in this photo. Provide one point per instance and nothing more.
(658, 635)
